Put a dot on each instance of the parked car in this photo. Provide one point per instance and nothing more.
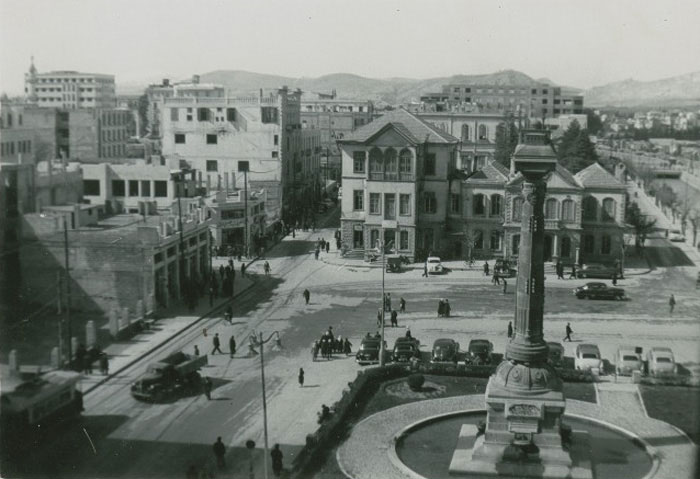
(676, 236)
(480, 351)
(434, 265)
(405, 349)
(368, 352)
(660, 361)
(627, 360)
(505, 268)
(444, 351)
(556, 353)
(596, 270)
(587, 357)
(598, 291)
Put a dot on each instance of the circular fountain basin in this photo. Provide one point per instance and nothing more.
(427, 447)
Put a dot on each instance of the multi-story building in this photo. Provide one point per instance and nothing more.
(155, 94)
(228, 219)
(396, 171)
(537, 101)
(69, 89)
(334, 118)
(137, 186)
(259, 138)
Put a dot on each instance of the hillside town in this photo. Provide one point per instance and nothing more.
(216, 275)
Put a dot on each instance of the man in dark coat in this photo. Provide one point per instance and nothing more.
(232, 345)
(394, 318)
(276, 460)
(568, 332)
(207, 387)
(510, 329)
(217, 344)
(307, 295)
(219, 452)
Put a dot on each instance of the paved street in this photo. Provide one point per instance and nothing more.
(135, 439)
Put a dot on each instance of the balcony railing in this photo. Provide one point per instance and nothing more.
(390, 176)
(551, 224)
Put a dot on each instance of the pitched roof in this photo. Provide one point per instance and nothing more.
(595, 176)
(408, 124)
(559, 170)
(493, 172)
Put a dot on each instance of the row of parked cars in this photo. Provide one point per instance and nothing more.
(445, 350)
(660, 361)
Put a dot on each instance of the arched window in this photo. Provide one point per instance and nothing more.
(483, 132)
(496, 205)
(376, 164)
(550, 209)
(478, 239)
(608, 209)
(391, 167)
(496, 240)
(590, 208)
(405, 160)
(517, 208)
(566, 247)
(567, 210)
(465, 132)
(479, 205)
(605, 244)
(588, 244)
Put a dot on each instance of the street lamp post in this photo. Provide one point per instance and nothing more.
(382, 351)
(257, 339)
(177, 178)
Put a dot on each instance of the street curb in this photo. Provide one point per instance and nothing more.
(167, 340)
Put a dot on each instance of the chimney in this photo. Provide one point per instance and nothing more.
(195, 79)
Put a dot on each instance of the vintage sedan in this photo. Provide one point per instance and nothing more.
(587, 357)
(676, 236)
(627, 360)
(368, 352)
(479, 351)
(596, 270)
(444, 351)
(660, 361)
(598, 291)
(434, 265)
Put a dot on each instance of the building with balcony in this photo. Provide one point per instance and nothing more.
(396, 173)
(261, 137)
(228, 219)
(69, 90)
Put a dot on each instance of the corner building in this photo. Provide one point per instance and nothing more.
(396, 172)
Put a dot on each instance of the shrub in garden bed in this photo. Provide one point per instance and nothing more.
(416, 381)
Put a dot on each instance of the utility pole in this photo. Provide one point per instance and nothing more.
(60, 320)
(68, 320)
(245, 210)
(382, 351)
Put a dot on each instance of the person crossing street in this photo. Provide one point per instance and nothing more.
(217, 344)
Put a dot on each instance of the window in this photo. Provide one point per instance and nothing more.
(516, 244)
(496, 205)
(374, 238)
(232, 214)
(358, 200)
(376, 164)
(465, 132)
(567, 210)
(455, 201)
(403, 240)
(608, 209)
(479, 208)
(133, 187)
(118, 188)
(212, 165)
(91, 187)
(243, 166)
(404, 205)
(180, 138)
(389, 206)
(590, 208)
(212, 139)
(550, 209)
(145, 188)
(161, 188)
(276, 140)
(405, 163)
(231, 115)
(174, 114)
(374, 207)
(358, 161)
(496, 240)
(189, 114)
(483, 132)
(588, 244)
(430, 164)
(203, 114)
(429, 202)
(517, 208)
(606, 244)
(390, 164)
(275, 154)
(478, 239)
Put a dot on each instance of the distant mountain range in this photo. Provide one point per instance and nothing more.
(682, 90)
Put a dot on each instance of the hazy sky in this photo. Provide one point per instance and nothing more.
(576, 43)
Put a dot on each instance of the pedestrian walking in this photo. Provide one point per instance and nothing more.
(379, 317)
(425, 270)
(671, 303)
(573, 271)
(301, 377)
(510, 329)
(568, 332)
(314, 349)
(505, 285)
(219, 452)
(387, 302)
(560, 270)
(232, 345)
(242, 270)
(447, 307)
(221, 271)
(441, 308)
(277, 456)
(614, 279)
(347, 347)
(217, 344)
(196, 350)
(486, 268)
(394, 318)
(495, 279)
(402, 305)
(104, 364)
(328, 247)
(307, 295)
(228, 315)
(316, 252)
(207, 387)
(267, 268)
